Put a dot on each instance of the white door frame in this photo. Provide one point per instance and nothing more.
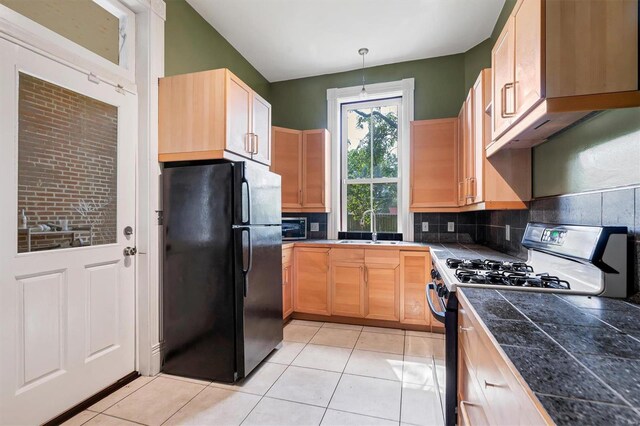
(148, 66)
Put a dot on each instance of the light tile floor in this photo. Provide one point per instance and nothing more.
(324, 374)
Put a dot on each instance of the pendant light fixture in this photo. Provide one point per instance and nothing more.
(363, 51)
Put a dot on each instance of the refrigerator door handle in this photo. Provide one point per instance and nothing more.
(245, 272)
(246, 222)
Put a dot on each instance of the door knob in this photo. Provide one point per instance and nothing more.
(128, 231)
(130, 251)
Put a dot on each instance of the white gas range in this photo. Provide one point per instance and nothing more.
(588, 260)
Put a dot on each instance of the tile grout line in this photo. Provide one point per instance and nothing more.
(121, 399)
(283, 371)
(572, 356)
(185, 404)
(341, 375)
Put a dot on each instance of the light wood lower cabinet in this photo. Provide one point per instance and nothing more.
(371, 284)
(414, 276)
(382, 284)
(287, 282)
(347, 286)
(311, 292)
(489, 391)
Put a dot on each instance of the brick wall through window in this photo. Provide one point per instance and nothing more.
(67, 163)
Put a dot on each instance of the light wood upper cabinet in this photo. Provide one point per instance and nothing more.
(287, 282)
(302, 159)
(287, 162)
(238, 112)
(433, 175)
(414, 276)
(311, 292)
(548, 74)
(315, 169)
(503, 76)
(212, 115)
(527, 82)
(459, 162)
(261, 125)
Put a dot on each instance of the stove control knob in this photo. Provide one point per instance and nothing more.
(441, 290)
(433, 273)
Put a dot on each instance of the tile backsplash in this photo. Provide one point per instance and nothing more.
(619, 207)
(319, 218)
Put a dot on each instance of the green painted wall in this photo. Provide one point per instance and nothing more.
(601, 152)
(475, 60)
(191, 45)
(439, 91)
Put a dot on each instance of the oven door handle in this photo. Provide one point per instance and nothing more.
(437, 314)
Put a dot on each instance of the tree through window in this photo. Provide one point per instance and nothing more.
(370, 165)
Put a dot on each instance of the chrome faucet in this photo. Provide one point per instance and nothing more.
(374, 234)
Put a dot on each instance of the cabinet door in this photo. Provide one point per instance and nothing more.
(469, 153)
(347, 289)
(315, 149)
(503, 75)
(481, 136)
(311, 281)
(460, 147)
(238, 116)
(261, 129)
(287, 290)
(528, 55)
(382, 285)
(414, 267)
(433, 171)
(287, 162)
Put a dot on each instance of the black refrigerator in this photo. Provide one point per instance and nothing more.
(222, 279)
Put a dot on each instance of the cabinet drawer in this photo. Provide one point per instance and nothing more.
(347, 255)
(468, 336)
(498, 388)
(287, 256)
(382, 257)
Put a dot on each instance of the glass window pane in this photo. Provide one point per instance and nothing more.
(385, 203)
(81, 21)
(358, 201)
(384, 122)
(358, 144)
(67, 168)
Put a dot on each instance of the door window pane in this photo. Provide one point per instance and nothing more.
(67, 168)
(385, 204)
(81, 21)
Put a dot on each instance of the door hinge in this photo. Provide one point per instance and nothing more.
(120, 89)
(160, 214)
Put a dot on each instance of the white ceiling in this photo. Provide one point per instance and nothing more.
(287, 39)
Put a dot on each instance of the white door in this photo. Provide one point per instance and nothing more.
(68, 157)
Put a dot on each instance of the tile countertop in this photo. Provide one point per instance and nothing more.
(580, 355)
(383, 244)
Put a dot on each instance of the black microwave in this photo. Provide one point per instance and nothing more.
(294, 228)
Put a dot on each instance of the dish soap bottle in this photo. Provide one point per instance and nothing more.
(23, 220)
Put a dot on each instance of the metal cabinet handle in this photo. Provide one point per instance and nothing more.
(465, 328)
(247, 143)
(366, 275)
(491, 385)
(463, 412)
(257, 144)
(504, 112)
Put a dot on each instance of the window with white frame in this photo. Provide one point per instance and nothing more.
(371, 176)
